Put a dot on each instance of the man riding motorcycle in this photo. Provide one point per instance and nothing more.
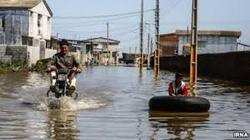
(64, 60)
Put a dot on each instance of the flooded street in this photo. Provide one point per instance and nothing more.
(113, 105)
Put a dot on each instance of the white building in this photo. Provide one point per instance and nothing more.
(101, 50)
(40, 22)
(209, 41)
(25, 22)
(25, 28)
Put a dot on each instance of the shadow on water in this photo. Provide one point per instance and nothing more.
(62, 125)
(176, 125)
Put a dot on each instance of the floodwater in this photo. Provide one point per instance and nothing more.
(113, 105)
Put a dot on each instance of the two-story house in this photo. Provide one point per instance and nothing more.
(25, 23)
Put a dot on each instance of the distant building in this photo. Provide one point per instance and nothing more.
(101, 50)
(168, 44)
(178, 43)
(25, 22)
(133, 58)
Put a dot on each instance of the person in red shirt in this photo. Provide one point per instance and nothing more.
(178, 87)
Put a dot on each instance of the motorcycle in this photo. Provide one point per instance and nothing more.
(62, 85)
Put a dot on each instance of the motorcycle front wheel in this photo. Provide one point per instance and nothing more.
(73, 95)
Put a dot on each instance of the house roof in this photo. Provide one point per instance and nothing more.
(169, 37)
(19, 3)
(206, 32)
(101, 40)
(47, 6)
(23, 4)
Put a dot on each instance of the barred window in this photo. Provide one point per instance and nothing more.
(2, 22)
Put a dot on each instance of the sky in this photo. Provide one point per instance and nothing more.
(83, 19)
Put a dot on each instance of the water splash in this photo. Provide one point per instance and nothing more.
(68, 104)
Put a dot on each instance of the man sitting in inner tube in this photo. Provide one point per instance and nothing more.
(178, 87)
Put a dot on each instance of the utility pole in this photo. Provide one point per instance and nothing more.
(141, 36)
(108, 55)
(187, 34)
(148, 64)
(194, 45)
(150, 51)
(151, 46)
(157, 51)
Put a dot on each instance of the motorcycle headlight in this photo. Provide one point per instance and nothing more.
(61, 77)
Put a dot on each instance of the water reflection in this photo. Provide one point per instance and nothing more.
(177, 125)
(62, 125)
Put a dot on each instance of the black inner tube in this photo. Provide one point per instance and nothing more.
(179, 104)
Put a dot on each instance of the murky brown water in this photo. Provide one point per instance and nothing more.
(114, 105)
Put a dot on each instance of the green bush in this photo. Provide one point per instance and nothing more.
(41, 65)
(13, 67)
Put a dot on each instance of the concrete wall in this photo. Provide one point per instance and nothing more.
(18, 53)
(42, 49)
(230, 66)
(4, 58)
(2, 36)
(2, 50)
(49, 53)
(24, 54)
(33, 54)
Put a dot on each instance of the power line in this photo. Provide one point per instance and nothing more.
(118, 30)
(98, 21)
(119, 34)
(101, 16)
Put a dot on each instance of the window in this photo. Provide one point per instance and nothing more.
(223, 40)
(48, 44)
(39, 24)
(40, 32)
(217, 39)
(27, 41)
(2, 23)
(31, 13)
(39, 20)
(48, 24)
(210, 40)
(229, 40)
(202, 44)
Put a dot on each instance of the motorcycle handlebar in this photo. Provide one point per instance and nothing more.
(74, 69)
